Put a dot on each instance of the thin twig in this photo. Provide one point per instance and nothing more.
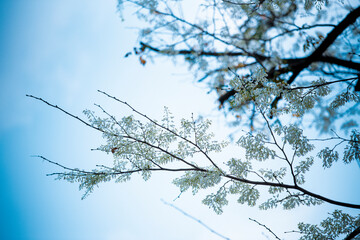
(266, 228)
(195, 219)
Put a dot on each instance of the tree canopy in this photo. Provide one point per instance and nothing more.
(280, 68)
(304, 47)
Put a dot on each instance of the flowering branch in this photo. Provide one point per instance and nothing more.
(147, 148)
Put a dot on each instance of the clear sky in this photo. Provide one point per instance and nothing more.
(63, 51)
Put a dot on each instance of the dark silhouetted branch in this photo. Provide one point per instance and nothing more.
(340, 62)
(353, 234)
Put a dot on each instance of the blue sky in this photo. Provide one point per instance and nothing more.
(63, 51)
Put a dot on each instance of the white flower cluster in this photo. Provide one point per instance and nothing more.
(328, 156)
(140, 147)
(338, 224)
(198, 180)
(293, 135)
(255, 147)
(344, 98)
(150, 146)
(217, 201)
(351, 151)
(263, 93)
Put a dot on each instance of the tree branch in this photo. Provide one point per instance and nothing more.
(194, 167)
(195, 219)
(353, 234)
(114, 171)
(266, 228)
(203, 53)
(167, 129)
(256, 56)
(301, 64)
(236, 3)
(340, 62)
(329, 39)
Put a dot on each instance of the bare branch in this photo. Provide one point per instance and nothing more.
(195, 219)
(265, 228)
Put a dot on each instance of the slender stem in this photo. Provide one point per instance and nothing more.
(266, 228)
